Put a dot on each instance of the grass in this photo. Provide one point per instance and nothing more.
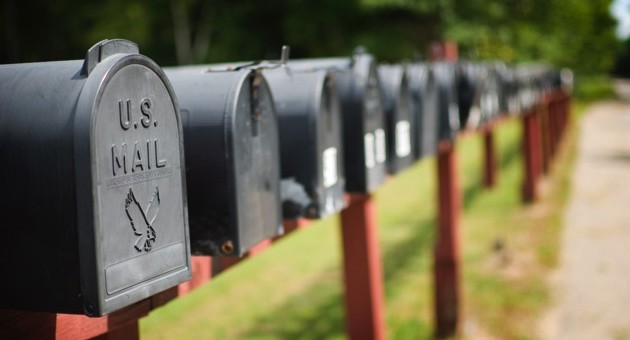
(294, 289)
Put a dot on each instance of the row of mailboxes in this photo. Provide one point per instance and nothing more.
(104, 211)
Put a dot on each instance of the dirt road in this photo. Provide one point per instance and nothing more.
(593, 280)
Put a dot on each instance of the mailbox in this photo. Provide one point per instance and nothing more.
(528, 89)
(400, 121)
(311, 149)
(424, 94)
(447, 78)
(363, 119)
(467, 90)
(233, 162)
(478, 94)
(566, 80)
(93, 190)
(508, 89)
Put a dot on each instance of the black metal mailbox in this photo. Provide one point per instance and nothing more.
(509, 102)
(566, 80)
(528, 89)
(478, 94)
(447, 78)
(233, 162)
(424, 94)
(93, 189)
(467, 90)
(399, 116)
(311, 149)
(363, 119)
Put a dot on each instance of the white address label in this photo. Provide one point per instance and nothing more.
(368, 141)
(403, 139)
(329, 171)
(381, 153)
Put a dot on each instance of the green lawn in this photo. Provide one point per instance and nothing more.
(294, 289)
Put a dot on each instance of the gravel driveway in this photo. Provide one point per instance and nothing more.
(593, 280)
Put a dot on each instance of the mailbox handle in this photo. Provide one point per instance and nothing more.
(104, 49)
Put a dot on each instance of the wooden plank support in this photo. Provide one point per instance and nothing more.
(82, 327)
(490, 157)
(546, 145)
(531, 156)
(201, 273)
(129, 331)
(362, 270)
(446, 252)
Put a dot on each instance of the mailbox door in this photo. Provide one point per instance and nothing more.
(468, 88)
(134, 150)
(397, 105)
(93, 202)
(446, 77)
(254, 144)
(374, 137)
(309, 116)
(424, 95)
(330, 156)
(489, 101)
(430, 118)
(231, 140)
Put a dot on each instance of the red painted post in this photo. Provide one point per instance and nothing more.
(490, 160)
(362, 270)
(446, 252)
(546, 147)
(259, 248)
(551, 105)
(443, 50)
(561, 112)
(201, 273)
(565, 109)
(82, 327)
(129, 331)
(293, 225)
(531, 155)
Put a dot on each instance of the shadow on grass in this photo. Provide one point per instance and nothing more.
(399, 257)
(316, 312)
(471, 191)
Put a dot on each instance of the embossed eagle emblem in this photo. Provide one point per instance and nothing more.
(142, 219)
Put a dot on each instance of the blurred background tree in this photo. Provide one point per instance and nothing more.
(573, 33)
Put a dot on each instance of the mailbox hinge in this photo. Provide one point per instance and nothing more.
(104, 49)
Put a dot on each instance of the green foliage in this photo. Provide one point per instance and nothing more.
(590, 88)
(572, 33)
(575, 34)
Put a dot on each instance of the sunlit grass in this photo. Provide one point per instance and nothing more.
(294, 289)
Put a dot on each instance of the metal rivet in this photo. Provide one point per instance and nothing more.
(227, 247)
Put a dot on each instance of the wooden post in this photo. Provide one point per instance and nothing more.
(490, 160)
(546, 147)
(567, 109)
(446, 252)
(129, 331)
(443, 50)
(201, 273)
(531, 155)
(362, 270)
